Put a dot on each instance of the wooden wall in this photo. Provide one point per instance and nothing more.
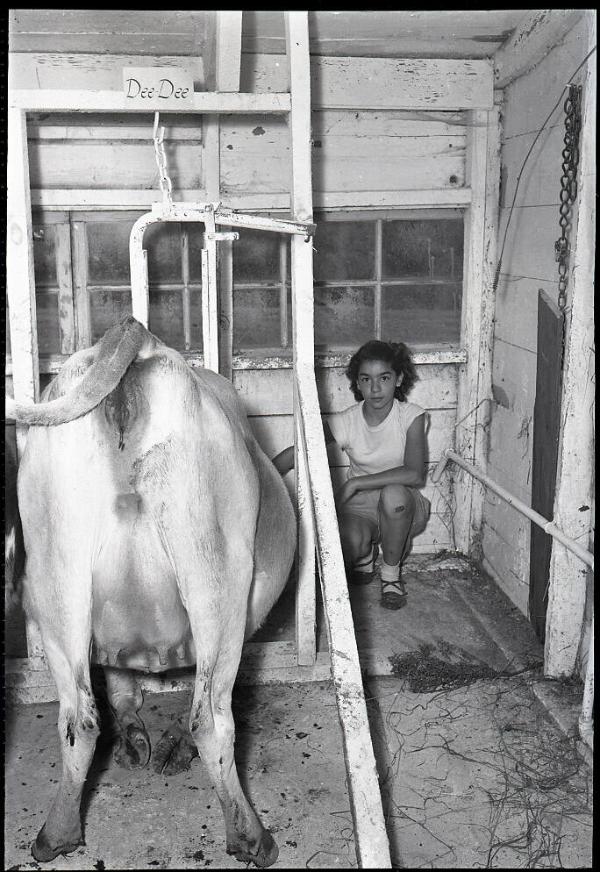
(528, 264)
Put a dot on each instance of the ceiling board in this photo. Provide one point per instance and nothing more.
(403, 33)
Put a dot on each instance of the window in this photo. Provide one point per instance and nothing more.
(395, 276)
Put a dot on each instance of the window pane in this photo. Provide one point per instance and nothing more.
(421, 313)
(106, 307)
(108, 252)
(256, 318)
(343, 316)
(46, 305)
(163, 243)
(166, 317)
(344, 250)
(255, 256)
(44, 254)
(428, 249)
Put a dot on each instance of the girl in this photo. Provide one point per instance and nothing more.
(380, 503)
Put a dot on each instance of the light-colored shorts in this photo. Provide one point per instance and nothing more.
(365, 504)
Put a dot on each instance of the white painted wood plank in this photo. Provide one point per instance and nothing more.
(50, 100)
(530, 42)
(299, 180)
(476, 330)
(102, 165)
(405, 83)
(66, 312)
(53, 70)
(81, 297)
(268, 392)
(20, 285)
(575, 476)
(83, 198)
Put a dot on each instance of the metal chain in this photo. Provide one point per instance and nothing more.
(161, 161)
(568, 187)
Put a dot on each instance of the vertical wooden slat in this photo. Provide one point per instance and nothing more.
(20, 276)
(575, 475)
(64, 274)
(299, 122)
(378, 267)
(474, 386)
(210, 315)
(283, 296)
(222, 64)
(225, 269)
(81, 299)
(185, 276)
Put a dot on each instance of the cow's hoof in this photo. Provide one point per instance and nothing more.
(133, 750)
(43, 851)
(265, 856)
(174, 752)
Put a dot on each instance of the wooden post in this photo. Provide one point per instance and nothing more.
(302, 315)
(20, 278)
(574, 485)
(474, 387)
(222, 73)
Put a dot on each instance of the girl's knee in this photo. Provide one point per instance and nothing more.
(396, 501)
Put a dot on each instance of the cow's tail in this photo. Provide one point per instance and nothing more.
(117, 349)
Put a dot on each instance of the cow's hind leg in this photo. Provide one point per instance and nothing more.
(213, 729)
(132, 750)
(78, 729)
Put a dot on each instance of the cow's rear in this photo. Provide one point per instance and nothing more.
(157, 535)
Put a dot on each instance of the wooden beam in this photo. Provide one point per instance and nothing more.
(302, 315)
(222, 64)
(20, 278)
(483, 175)
(114, 101)
(538, 33)
(574, 485)
(406, 83)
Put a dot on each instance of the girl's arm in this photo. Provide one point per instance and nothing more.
(412, 473)
(284, 461)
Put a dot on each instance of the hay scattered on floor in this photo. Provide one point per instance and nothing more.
(427, 673)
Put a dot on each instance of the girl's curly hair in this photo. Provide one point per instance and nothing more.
(397, 354)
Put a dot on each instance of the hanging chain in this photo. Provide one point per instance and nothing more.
(161, 161)
(568, 187)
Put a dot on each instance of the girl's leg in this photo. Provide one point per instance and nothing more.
(357, 535)
(396, 513)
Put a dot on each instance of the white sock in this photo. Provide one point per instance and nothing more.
(366, 564)
(390, 572)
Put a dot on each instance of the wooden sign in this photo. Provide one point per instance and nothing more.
(158, 87)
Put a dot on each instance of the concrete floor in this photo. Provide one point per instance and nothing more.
(478, 756)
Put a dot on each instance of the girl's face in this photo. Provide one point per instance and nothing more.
(377, 381)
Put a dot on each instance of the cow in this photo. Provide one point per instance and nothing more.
(157, 535)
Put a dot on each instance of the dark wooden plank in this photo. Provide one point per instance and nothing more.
(546, 430)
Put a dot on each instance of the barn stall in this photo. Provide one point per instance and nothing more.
(418, 144)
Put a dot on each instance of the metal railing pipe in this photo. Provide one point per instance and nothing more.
(546, 525)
